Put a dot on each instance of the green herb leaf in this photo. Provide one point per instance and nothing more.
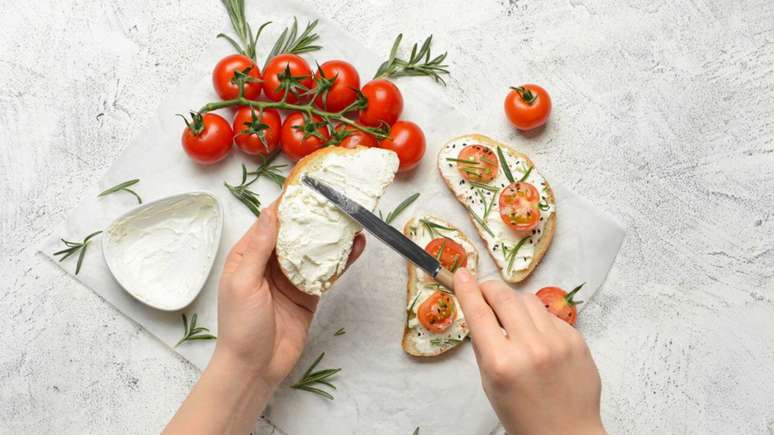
(504, 165)
(341, 331)
(400, 208)
(511, 255)
(236, 12)
(416, 431)
(419, 62)
(311, 378)
(250, 199)
(434, 229)
(526, 174)
(125, 187)
(290, 42)
(266, 169)
(191, 332)
(444, 342)
(484, 186)
(481, 222)
(76, 247)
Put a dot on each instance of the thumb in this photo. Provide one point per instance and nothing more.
(260, 241)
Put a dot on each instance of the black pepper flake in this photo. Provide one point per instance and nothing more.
(450, 165)
(541, 218)
(462, 182)
(530, 241)
(533, 231)
(538, 231)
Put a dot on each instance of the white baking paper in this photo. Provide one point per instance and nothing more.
(380, 389)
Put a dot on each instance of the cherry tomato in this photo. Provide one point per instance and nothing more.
(437, 312)
(449, 253)
(560, 303)
(408, 141)
(287, 74)
(207, 139)
(340, 82)
(519, 206)
(385, 103)
(477, 163)
(527, 106)
(223, 77)
(257, 132)
(354, 137)
(302, 135)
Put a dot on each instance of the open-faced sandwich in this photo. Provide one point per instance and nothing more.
(435, 322)
(510, 203)
(315, 238)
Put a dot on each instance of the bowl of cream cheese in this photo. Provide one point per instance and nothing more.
(162, 252)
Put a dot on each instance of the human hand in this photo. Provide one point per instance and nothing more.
(263, 319)
(538, 375)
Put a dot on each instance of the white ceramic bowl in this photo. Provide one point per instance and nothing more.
(162, 252)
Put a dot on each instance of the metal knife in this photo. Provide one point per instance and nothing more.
(384, 232)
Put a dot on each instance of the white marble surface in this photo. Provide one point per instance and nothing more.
(663, 118)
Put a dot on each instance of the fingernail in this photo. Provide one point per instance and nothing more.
(463, 275)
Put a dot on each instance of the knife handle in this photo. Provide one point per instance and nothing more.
(445, 278)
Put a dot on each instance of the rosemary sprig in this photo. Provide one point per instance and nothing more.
(510, 255)
(480, 221)
(467, 161)
(444, 342)
(399, 209)
(341, 331)
(433, 228)
(291, 42)
(266, 169)
(311, 378)
(125, 187)
(416, 431)
(543, 205)
(250, 199)
(504, 164)
(192, 332)
(484, 186)
(236, 12)
(526, 174)
(73, 247)
(418, 63)
(441, 250)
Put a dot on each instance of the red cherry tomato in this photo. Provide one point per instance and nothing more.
(519, 206)
(560, 303)
(437, 312)
(287, 74)
(257, 132)
(302, 135)
(354, 137)
(340, 82)
(385, 103)
(527, 106)
(223, 77)
(449, 253)
(478, 163)
(408, 141)
(207, 139)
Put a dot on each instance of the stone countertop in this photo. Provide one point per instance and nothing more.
(663, 117)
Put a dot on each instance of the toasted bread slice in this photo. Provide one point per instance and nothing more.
(417, 340)
(514, 264)
(315, 238)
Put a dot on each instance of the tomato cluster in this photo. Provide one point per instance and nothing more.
(289, 107)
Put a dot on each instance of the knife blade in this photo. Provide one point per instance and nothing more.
(384, 232)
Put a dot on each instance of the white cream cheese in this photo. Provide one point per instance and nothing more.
(162, 252)
(424, 340)
(315, 238)
(502, 233)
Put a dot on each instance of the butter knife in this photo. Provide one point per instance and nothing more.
(384, 232)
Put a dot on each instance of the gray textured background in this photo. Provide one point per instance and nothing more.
(663, 117)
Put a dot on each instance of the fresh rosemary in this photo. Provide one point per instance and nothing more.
(416, 431)
(125, 187)
(444, 342)
(433, 228)
(510, 255)
(504, 164)
(291, 42)
(418, 63)
(543, 205)
(480, 222)
(399, 209)
(526, 174)
(192, 332)
(483, 186)
(266, 169)
(312, 377)
(73, 247)
(250, 199)
(236, 12)
(341, 331)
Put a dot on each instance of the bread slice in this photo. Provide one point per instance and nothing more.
(424, 345)
(315, 238)
(530, 253)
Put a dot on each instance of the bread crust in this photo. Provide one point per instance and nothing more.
(411, 289)
(549, 227)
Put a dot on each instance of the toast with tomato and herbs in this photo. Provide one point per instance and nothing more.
(315, 238)
(511, 205)
(434, 319)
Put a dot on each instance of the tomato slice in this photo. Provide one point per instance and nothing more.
(519, 206)
(477, 163)
(449, 253)
(437, 312)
